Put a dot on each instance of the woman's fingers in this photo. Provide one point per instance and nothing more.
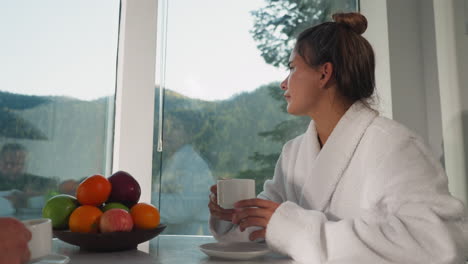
(216, 208)
(219, 212)
(250, 212)
(223, 216)
(257, 234)
(256, 202)
(214, 194)
(253, 221)
(254, 212)
(243, 213)
(214, 189)
(254, 208)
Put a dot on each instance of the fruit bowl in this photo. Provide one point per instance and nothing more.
(114, 241)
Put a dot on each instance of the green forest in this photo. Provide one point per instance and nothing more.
(229, 135)
(238, 137)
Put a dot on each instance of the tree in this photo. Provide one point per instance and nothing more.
(277, 25)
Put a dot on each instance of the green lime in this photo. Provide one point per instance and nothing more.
(109, 206)
(58, 209)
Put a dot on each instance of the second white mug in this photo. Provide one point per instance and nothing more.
(231, 191)
(40, 244)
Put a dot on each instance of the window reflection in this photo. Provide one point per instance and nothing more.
(56, 98)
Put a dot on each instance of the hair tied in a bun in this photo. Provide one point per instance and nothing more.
(354, 21)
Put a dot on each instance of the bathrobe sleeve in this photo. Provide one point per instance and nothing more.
(410, 218)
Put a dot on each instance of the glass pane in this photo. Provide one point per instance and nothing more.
(56, 98)
(224, 113)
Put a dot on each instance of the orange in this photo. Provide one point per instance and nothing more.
(94, 190)
(85, 219)
(145, 216)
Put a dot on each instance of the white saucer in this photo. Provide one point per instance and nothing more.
(235, 250)
(51, 259)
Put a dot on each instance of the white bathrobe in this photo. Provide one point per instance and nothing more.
(372, 194)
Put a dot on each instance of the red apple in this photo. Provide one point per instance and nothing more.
(125, 189)
(115, 220)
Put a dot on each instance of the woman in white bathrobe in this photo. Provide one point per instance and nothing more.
(356, 187)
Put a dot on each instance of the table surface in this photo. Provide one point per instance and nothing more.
(163, 249)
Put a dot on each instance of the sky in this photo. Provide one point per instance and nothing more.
(69, 48)
(54, 47)
(210, 53)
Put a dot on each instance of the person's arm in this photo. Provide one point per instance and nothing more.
(414, 219)
(14, 237)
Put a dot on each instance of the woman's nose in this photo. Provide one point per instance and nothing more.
(283, 84)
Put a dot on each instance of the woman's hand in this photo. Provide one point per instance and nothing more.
(14, 241)
(216, 210)
(254, 212)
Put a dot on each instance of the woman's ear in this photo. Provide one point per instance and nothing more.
(326, 71)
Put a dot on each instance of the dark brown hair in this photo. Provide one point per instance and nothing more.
(340, 43)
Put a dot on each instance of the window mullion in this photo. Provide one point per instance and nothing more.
(133, 134)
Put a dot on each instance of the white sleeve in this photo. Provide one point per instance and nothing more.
(414, 220)
(272, 190)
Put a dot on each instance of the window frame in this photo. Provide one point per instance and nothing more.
(135, 92)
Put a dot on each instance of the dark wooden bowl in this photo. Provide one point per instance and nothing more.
(114, 241)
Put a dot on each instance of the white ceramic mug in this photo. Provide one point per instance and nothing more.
(231, 191)
(40, 244)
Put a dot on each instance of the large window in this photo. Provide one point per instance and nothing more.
(219, 72)
(56, 98)
(220, 65)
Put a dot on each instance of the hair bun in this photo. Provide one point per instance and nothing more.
(354, 21)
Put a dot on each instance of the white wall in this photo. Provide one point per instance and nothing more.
(431, 79)
(413, 64)
(461, 26)
(452, 42)
(426, 63)
(408, 95)
(377, 35)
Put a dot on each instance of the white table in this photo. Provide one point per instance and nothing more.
(162, 249)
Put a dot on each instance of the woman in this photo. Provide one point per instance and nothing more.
(355, 187)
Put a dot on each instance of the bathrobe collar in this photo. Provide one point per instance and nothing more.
(329, 163)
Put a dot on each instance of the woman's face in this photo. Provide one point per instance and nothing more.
(303, 87)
